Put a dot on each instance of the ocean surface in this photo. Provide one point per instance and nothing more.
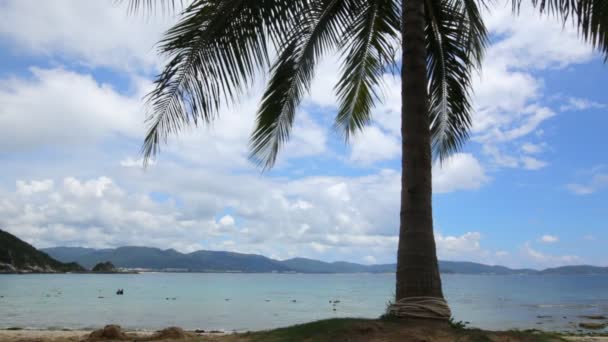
(260, 301)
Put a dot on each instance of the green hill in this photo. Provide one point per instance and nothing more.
(17, 256)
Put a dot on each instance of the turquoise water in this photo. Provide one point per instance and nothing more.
(261, 301)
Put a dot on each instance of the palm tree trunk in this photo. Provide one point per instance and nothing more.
(417, 266)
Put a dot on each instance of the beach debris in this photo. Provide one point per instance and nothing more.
(592, 325)
(170, 333)
(202, 331)
(109, 332)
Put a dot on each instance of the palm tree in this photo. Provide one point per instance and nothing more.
(217, 48)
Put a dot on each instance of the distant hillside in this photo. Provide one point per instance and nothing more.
(154, 258)
(580, 269)
(465, 267)
(17, 256)
(215, 261)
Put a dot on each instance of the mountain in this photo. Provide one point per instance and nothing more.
(466, 267)
(577, 269)
(17, 256)
(215, 261)
(170, 259)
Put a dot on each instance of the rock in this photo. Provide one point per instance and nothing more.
(109, 332)
(171, 333)
(592, 325)
(104, 267)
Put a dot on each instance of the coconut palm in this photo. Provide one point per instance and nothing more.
(217, 48)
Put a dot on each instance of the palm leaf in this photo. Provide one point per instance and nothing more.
(456, 39)
(368, 47)
(214, 52)
(589, 16)
(318, 31)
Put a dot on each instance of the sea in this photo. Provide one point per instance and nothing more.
(242, 302)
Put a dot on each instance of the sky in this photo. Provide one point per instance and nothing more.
(530, 188)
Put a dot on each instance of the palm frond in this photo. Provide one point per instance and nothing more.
(589, 16)
(456, 40)
(368, 47)
(319, 29)
(214, 52)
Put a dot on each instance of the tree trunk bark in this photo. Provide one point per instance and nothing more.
(417, 266)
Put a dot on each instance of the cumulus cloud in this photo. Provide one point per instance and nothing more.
(461, 171)
(69, 108)
(97, 33)
(374, 145)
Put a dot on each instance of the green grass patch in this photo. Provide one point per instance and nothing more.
(325, 330)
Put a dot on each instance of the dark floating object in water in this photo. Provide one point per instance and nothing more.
(100, 297)
(334, 309)
(293, 300)
(593, 316)
(267, 300)
(120, 292)
(227, 299)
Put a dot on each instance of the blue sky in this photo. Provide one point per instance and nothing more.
(529, 189)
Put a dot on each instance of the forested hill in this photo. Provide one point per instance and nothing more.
(217, 261)
(17, 256)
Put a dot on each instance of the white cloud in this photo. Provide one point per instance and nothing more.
(531, 148)
(94, 33)
(549, 238)
(457, 245)
(575, 104)
(137, 163)
(547, 260)
(530, 163)
(68, 108)
(595, 180)
(462, 171)
(28, 188)
(374, 145)
(227, 220)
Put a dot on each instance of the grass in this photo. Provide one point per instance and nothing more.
(389, 329)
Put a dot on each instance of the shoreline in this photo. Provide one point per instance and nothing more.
(68, 335)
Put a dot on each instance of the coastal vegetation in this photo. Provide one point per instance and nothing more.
(217, 48)
(17, 256)
(105, 267)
